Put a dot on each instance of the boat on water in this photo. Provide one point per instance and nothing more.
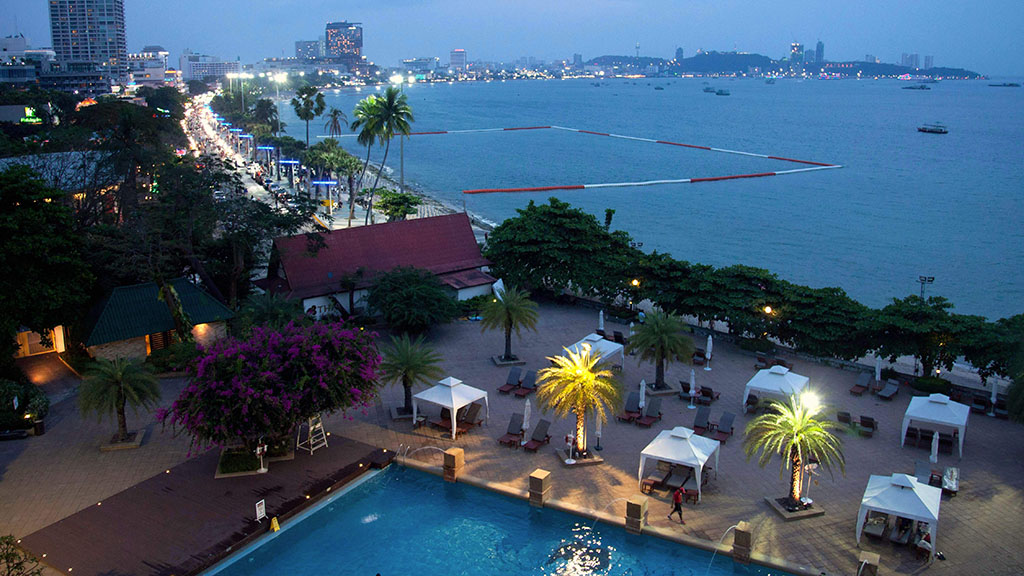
(722, 92)
(709, 90)
(916, 87)
(933, 129)
(1006, 85)
(659, 87)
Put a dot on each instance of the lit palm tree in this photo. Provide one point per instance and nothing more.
(336, 123)
(410, 361)
(393, 118)
(793, 431)
(578, 383)
(111, 385)
(365, 126)
(661, 339)
(508, 311)
(308, 104)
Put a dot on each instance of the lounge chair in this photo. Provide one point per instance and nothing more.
(684, 390)
(751, 404)
(1000, 409)
(469, 419)
(924, 473)
(514, 434)
(763, 362)
(539, 437)
(528, 385)
(863, 381)
(844, 418)
(889, 392)
(700, 420)
(901, 532)
(980, 404)
(945, 443)
(866, 426)
(632, 410)
(599, 332)
(708, 395)
(652, 413)
(678, 477)
(724, 428)
(512, 382)
(700, 357)
(619, 338)
(783, 363)
(444, 421)
(912, 436)
(876, 525)
(924, 438)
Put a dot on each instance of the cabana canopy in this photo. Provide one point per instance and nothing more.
(681, 445)
(452, 394)
(901, 495)
(937, 409)
(598, 345)
(776, 381)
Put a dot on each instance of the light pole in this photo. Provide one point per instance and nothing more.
(398, 79)
(243, 76)
(278, 79)
(925, 280)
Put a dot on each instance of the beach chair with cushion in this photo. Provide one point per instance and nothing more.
(866, 426)
(539, 437)
(889, 392)
(700, 420)
(763, 362)
(619, 338)
(632, 410)
(708, 395)
(444, 421)
(678, 477)
(652, 413)
(751, 404)
(684, 390)
(980, 404)
(945, 443)
(528, 385)
(1000, 409)
(512, 382)
(700, 357)
(863, 381)
(876, 524)
(600, 332)
(844, 418)
(924, 438)
(514, 434)
(469, 419)
(724, 428)
(783, 363)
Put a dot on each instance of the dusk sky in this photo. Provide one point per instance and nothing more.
(982, 36)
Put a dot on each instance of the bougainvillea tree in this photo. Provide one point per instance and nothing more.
(265, 385)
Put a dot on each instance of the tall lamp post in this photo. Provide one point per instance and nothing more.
(278, 79)
(925, 280)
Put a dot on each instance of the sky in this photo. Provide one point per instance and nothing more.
(983, 35)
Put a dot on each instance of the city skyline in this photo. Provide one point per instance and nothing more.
(980, 40)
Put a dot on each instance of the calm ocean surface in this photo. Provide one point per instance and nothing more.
(905, 204)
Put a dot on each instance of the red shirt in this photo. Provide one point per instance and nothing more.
(677, 497)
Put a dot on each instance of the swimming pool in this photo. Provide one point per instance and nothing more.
(404, 521)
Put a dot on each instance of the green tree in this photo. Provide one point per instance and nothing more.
(579, 383)
(271, 310)
(411, 300)
(336, 123)
(659, 339)
(410, 362)
(308, 104)
(508, 311)
(350, 166)
(1015, 396)
(922, 328)
(794, 431)
(111, 385)
(197, 87)
(393, 117)
(16, 562)
(397, 205)
(265, 113)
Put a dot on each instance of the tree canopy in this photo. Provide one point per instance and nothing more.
(411, 300)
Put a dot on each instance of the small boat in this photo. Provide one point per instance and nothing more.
(709, 90)
(659, 88)
(933, 129)
(1006, 85)
(916, 87)
(722, 92)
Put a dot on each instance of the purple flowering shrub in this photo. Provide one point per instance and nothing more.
(265, 385)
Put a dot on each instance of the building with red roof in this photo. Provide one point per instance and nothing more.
(323, 274)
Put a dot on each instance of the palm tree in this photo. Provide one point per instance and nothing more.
(308, 104)
(410, 361)
(113, 384)
(578, 383)
(661, 339)
(793, 431)
(350, 166)
(265, 112)
(365, 124)
(508, 311)
(336, 122)
(393, 118)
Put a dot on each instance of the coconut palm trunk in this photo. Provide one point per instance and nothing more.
(380, 170)
(122, 420)
(407, 385)
(581, 429)
(796, 477)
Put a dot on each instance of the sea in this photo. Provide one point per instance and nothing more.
(904, 204)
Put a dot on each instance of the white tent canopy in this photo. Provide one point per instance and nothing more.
(901, 495)
(598, 345)
(681, 446)
(776, 381)
(937, 409)
(452, 394)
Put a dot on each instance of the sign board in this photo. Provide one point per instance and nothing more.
(261, 510)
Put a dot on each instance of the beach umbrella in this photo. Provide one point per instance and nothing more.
(710, 345)
(935, 448)
(992, 410)
(694, 390)
(693, 387)
(643, 392)
(600, 320)
(526, 416)
(878, 368)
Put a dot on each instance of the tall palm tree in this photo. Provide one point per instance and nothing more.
(308, 104)
(661, 339)
(365, 126)
(111, 385)
(579, 383)
(410, 361)
(350, 166)
(793, 431)
(393, 118)
(336, 123)
(508, 311)
(265, 112)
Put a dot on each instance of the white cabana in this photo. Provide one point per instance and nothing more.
(681, 446)
(452, 394)
(901, 495)
(939, 410)
(776, 381)
(598, 345)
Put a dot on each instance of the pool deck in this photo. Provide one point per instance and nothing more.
(50, 485)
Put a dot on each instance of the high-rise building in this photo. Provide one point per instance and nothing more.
(198, 66)
(870, 58)
(457, 59)
(796, 53)
(307, 49)
(344, 41)
(928, 62)
(679, 54)
(819, 52)
(577, 61)
(910, 60)
(91, 31)
(149, 67)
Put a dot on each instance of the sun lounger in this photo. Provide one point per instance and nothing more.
(678, 477)
(652, 413)
(889, 392)
(751, 404)
(632, 410)
(866, 426)
(912, 436)
(783, 363)
(700, 357)
(945, 443)
(528, 385)
(470, 419)
(863, 381)
(924, 439)
(657, 478)
(514, 434)
(708, 395)
(619, 338)
(980, 404)
(844, 418)
(539, 437)
(924, 473)
(700, 420)
(1000, 409)
(684, 390)
(690, 489)
(763, 362)
(724, 428)
(901, 532)
(876, 525)
(512, 382)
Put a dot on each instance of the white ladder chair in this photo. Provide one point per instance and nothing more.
(315, 435)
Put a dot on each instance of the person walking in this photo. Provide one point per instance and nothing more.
(677, 505)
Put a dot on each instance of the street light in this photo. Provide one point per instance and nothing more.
(278, 79)
(925, 280)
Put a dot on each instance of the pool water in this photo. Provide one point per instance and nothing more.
(408, 522)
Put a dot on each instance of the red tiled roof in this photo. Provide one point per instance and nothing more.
(466, 279)
(440, 244)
